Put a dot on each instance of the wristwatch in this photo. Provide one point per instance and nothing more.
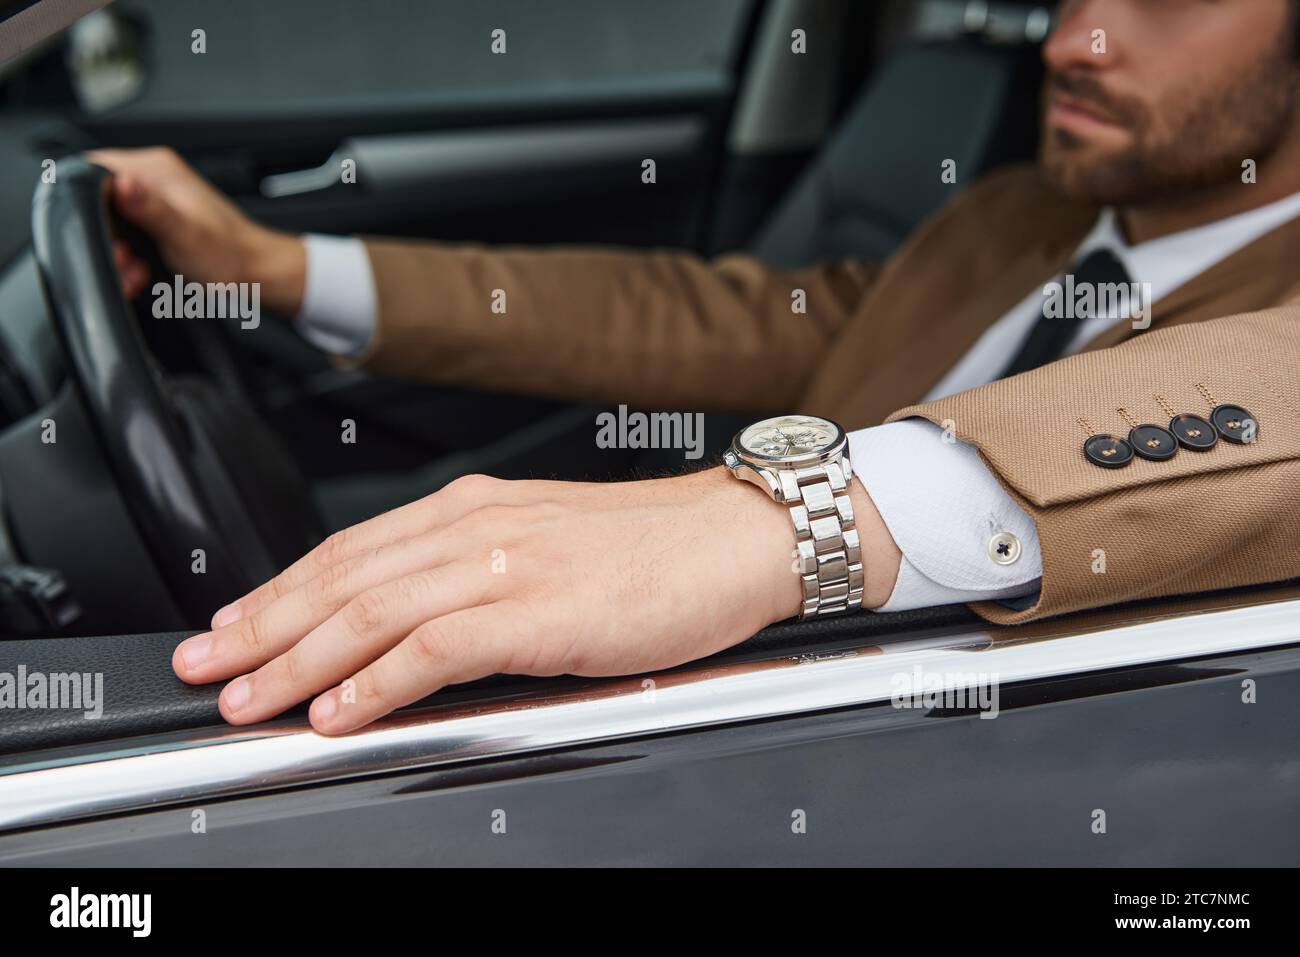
(802, 462)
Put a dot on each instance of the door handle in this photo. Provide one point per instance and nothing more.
(407, 160)
(300, 181)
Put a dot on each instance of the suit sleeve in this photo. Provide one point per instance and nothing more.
(1199, 521)
(652, 328)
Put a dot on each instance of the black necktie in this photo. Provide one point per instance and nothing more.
(1049, 336)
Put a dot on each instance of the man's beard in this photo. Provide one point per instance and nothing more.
(1186, 145)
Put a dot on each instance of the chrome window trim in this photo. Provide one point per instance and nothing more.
(61, 786)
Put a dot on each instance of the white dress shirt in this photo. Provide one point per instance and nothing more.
(940, 502)
(339, 303)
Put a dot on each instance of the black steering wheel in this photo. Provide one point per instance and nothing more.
(197, 468)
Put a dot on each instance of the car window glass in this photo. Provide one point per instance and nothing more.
(297, 53)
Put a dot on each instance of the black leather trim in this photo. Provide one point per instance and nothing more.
(141, 693)
(143, 696)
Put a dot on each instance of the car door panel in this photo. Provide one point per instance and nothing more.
(866, 786)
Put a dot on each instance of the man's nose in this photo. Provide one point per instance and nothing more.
(1080, 39)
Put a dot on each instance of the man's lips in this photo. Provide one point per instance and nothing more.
(1071, 113)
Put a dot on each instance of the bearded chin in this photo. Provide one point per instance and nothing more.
(1118, 178)
(1133, 177)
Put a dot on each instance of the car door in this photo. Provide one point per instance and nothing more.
(1152, 735)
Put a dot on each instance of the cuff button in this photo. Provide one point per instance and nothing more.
(1194, 432)
(1108, 451)
(1004, 548)
(1235, 424)
(1153, 442)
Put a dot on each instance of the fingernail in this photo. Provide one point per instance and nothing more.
(195, 651)
(237, 694)
(324, 708)
(227, 616)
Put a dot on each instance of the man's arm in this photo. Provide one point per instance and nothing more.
(528, 577)
(555, 577)
(660, 328)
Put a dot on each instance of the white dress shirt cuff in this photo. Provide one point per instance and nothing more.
(944, 508)
(339, 310)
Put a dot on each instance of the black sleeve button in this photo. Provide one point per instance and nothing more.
(1153, 442)
(1194, 432)
(1108, 451)
(1235, 424)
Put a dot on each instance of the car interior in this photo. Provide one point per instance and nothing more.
(749, 158)
(127, 439)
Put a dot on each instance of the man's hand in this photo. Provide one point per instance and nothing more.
(200, 233)
(536, 578)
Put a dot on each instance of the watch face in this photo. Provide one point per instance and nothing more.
(790, 437)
